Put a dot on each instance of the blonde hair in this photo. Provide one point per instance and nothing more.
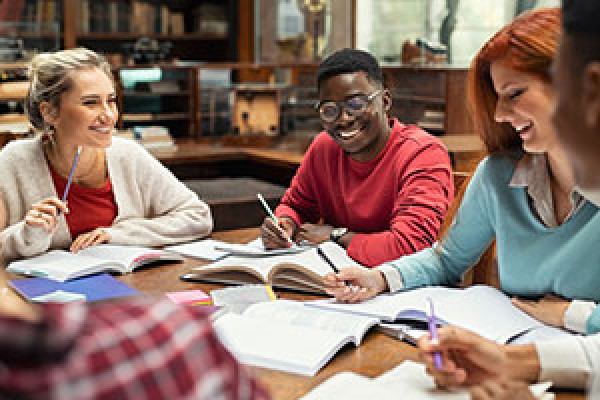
(49, 77)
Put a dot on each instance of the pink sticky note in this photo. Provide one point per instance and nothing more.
(192, 297)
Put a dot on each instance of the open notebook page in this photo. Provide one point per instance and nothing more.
(296, 313)
(256, 248)
(61, 265)
(125, 255)
(309, 259)
(268, 343)
(407, 381)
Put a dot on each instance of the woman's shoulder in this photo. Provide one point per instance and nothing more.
(499, 166)
(21, 149)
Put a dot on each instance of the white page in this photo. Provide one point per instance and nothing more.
(487, 311)
(61, 265)
(309, 259)
(256, 248)
(204, 249)
(411, 379)
(267, 343)
(125, 255)
(337, 387)
(297, 314)
(387, 306)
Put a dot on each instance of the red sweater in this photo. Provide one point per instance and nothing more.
(395, 203)
(89, 208)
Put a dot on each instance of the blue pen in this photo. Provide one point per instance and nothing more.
(437, 356)
(70, 178)
(71, 173)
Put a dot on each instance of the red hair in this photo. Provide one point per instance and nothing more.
(528, 44)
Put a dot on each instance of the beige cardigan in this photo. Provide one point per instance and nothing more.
(154, 208)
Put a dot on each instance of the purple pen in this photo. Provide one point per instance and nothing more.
(437, 356)
(70, 178)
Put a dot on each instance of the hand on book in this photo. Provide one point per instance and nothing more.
(353, 284)
(276, 236)
(44, 214)
(92, 238)
(549, 310)
(469, 359)
(501, 390)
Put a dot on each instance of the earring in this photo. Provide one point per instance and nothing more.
(49, 133)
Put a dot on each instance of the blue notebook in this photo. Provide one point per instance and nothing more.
(94, 287)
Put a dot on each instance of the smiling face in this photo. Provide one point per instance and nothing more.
(361, 137)
(524, 102)
(87, 113)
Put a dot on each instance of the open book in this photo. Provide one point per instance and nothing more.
(288, 336)
(61, 265)
(213, 250)
(482, 309)
(300, 271)
(409, 380)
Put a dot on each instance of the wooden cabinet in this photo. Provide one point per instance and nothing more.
(13, 89)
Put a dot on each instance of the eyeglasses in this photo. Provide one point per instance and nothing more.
(330, 111)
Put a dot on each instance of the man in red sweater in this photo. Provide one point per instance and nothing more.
(373, 185)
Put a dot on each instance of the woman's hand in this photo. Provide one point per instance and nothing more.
(44, 214)
(354, 284)
(92, 238)
(549, 310)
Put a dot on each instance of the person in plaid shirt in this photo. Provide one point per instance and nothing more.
(136, 349)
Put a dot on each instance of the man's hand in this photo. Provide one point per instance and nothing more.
(277, 236)
(314, 233)
(549, 310)
(354, 284)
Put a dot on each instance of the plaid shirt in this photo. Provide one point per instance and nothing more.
(128, 350)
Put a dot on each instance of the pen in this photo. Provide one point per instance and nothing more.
(71, 173)
(273, 217)
(437, 356)
(335, 269)
(322, 254)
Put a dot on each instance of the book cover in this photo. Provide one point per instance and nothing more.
(94, 287)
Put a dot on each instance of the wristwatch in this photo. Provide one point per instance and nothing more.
(336, 234)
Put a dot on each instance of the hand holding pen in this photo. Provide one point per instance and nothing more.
(276, 232)
(45, 213)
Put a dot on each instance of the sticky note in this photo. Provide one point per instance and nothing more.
(189, 297)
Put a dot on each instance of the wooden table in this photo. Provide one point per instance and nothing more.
(377, 354)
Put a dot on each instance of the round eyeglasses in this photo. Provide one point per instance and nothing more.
(355, 106)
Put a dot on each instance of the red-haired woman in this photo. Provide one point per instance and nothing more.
(522, 194)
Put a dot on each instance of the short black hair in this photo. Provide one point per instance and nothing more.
(581, 16)
(347, 61)
(580, 23)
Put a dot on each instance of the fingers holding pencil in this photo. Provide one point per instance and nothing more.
(276, 236)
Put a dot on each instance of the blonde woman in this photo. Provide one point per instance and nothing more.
(120, 194)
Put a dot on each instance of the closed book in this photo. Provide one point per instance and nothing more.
(93, 287)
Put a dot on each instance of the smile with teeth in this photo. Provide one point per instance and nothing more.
(523, 128)
(349, 134)
(103, 129)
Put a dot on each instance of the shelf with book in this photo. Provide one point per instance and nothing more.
(192, 30)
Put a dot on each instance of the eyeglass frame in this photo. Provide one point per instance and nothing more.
(341, 104)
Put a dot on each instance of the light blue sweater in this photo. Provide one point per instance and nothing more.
(533, 260)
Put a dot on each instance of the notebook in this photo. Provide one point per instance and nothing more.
(93, 287)
(301, 271)
(61, 265)
(482, 309)
(213, 250)
(408, 379)
(288, 336)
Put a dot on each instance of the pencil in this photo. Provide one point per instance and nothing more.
(322, 254)
(71, 173)
(273, 217)
(431, 323)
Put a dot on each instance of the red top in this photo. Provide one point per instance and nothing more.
(89, 208)
(395, 203)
